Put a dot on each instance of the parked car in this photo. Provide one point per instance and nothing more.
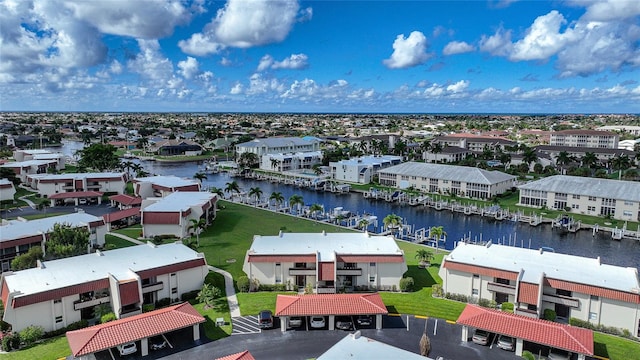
(265, 319)
(507, 343)
(481, 337)
(82, 201)
(157, 343)
(344, 323)
(127, 349)
(555, 354)
(295, 321)
(317, 322)
(364, 320)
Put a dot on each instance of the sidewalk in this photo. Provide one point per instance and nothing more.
(125, 237)
(231, 292)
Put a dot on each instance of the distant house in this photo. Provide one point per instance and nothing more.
(19, 236)
(447, 155)
(60, 292)
(50, 184)
(362, 169)
(176, 147)
(584, 138)
(604, 155)
(7, 190)
(22, 169)
(161, 186)
(172, 214)
(276, 145)
(475, 143)
(290, 161)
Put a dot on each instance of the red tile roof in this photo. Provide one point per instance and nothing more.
(75, 194)
(125, 199)
(327, 272)
(528, 293)
(330, 304)
(122, 214)
(245, 355)
(129, 292)
(559, 336)
(472, 269)
(633, 298)
(104, 336)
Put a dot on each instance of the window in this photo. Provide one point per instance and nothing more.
(475, 276)
(475, 292)
(577, 197)
(593, 316)
(174, 290)
(372, 278)
(595, 298)
(58, 319)
(592, 198)
(57, 301)
(372, 264)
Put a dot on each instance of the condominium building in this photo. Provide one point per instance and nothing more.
(474, 143)
(277, 145)
(161, 186)
(60, 292)
(584, 138)
(290, 161)
(40, 154)
(581, 195)
(536, 280)
(172, 214)
(50, 184)
(362, 169)
(326, 261)
(7, 190)
(23, 169)
(447, 179)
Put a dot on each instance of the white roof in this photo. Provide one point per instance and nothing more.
(19, 229)
(47, 156)
(449, 172)
(356, 346)
(370, 160)
(578, 185)
(296, 154)
(84, 268)
(77, 176)
(35, 151)
(325, 244)
(554, 265)
(180, 201)
(169, 181)
(278, 142)
(25, 163)
(4, 181)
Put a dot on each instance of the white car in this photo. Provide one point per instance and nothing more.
(317, 322)
(127, 349)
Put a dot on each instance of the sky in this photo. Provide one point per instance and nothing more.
(482, 56)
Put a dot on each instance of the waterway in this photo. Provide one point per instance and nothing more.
(583, 243)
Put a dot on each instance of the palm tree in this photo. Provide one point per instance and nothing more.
(589, 159)
(277, 197)
(316, 169)
(128, 165)
(528, 155)
(218, 191)
(505, 159)
(197, 225)
(363, 224)
(275, 163)
(314, 209)
(619, 163)
(296, 200)
(232, 187)
(392, 222)
(257, 192)
(437, 232)
(424, 256)
(563, 159)
(436, 149)
(200, 176)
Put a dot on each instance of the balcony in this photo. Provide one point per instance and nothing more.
(501, 288)
(349, 271)
(302, 271)
(526, 312)
(83, 304)
(562, 300)
(326, 290)
(156, 286)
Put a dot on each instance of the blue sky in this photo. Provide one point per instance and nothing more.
(493, 56)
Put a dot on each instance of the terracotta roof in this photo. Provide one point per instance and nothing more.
(75, 194)
(104, 336)
(559, 336)
(503, 274)
(330, 304)
(245, 355)
(327, 272)
(125, 199)
(122, 214)
(633, 298)
(528, 293)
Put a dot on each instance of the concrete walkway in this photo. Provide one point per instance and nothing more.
(125, 237)
(232, 299)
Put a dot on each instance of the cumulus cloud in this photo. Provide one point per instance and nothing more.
(189, 68)
(458, 87)
(295, 62)
(408, 52)
(498, 44)
(457, 47)
(244, 24)
(543, 38)
(608, 10)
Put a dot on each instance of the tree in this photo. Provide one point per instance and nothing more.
(425, 344)
(563, 159)
(197, 225)
(275, 163)
(528, 155)
(314, 209)
(27, 260)
(218, 191)
(424, 256)
(277, 197)
(436, 149)
(142, 143)
(256, 192)
(248, 160)
(317, 169)
(437, 232)
(392, 222)
(296, 200)
(99, 156)
(65, 241)
(505, 159)
(200, 176)
(589, 159)
(619, 163)
(363, 224)
(232, 187)
(208, 295)
(9, 174)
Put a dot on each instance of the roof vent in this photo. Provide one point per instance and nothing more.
(280, 233)
(40, 264)
(488, 244)
(324, 232)
(356, 335)
(99, 253)
(598, 259)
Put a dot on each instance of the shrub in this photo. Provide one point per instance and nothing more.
(527, 355)
(243, 284)
(308, 289)
(549, 314)
(189, 295)
(487, 303)
(148, 307)
(208, 295)
(164, 302)
(11, 342)
(436, 290)
(107, 317)
(4, 326)
(507, 306)
(406, 284)
(73, 326)
(31, 334)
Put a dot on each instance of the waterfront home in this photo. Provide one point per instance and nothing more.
(39, 154)
(604, 155)
(584, 138)
(172, 214)
(537, 280)
(290, 161)
(50, 184)
(161, 186)
(581, 195)
(362, 169)
(278, 145)
(7, 190)
(462, 181)
(475, 143)
(23, 169)
(60, 292)
(175, 147)
(18, 236)
(327, 262)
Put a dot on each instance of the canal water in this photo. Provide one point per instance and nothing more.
(457, 226)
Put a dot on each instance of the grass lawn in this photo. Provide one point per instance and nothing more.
(42, 216)
(132, 232)
(220, 310)
(50, 349)
(615, 348)
(253, 303)
(116, 241)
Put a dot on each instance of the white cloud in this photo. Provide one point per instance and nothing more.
(498, 44)
(301, 89)
(543, 38)
(408, 52)
(608, 10)
(458, 87)
(236, 89)
(244, 24)
(457, 47)
(265, 63)
(295, 61)
(189, 68)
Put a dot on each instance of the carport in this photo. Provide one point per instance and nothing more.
(123, 201)
(330, 305)
(140, 327)
(522, 328)
(76, 195)
(128, 214)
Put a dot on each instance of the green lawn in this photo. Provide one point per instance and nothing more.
(132, 231)
(220, 310)
(253, 303)
(117, 242)
(50, 349)
(615, 348)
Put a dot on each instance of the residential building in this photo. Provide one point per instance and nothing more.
(30, 167)
(358, 346)
(290, 161)
(362, 169)
(278, 145)
(631, 129)
(604, 155)
(462, 181)
(582, 195)
(18, 236)
(60, 292)
(326, 261)
(447, 155)
(161, 186)
(584, 138)
(50, 184)
(176, 147)
(172, 214)
(536, 280)
(475, 143)
(7, 190)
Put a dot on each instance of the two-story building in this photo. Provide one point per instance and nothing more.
(162, 185)
(326, 261)
(7, 190)
(290, 161)
(362, 169)
(60, 292)
(536, 280)
(584, 138)
(105, 182)
(277, 145)
(172, 214)
(23, 169)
